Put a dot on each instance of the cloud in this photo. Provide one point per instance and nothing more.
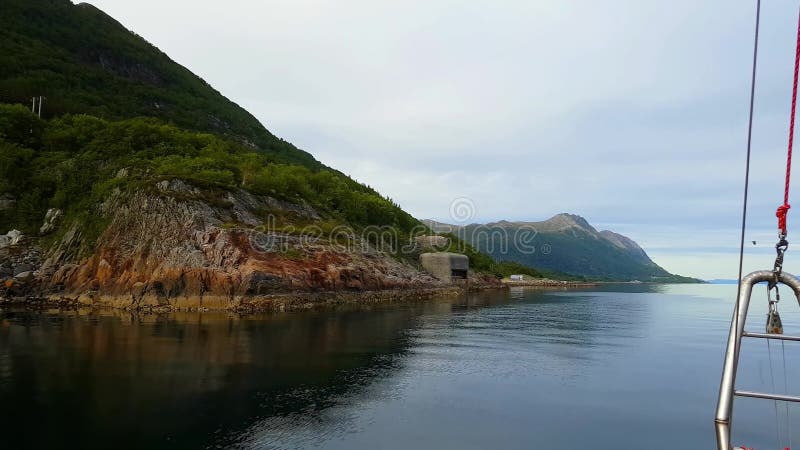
(626, 112)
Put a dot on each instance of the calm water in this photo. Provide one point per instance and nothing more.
(626, 367)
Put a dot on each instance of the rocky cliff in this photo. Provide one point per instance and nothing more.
(139, 185)
(178, 246)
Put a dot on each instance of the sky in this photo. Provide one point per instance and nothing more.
(632, 114)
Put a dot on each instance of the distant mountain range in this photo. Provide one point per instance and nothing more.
(564, 243)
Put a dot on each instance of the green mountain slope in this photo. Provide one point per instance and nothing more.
(116, 105)
(83, 61)
(564, 243)
(75, 162)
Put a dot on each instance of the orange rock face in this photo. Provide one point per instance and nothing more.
(173, 248)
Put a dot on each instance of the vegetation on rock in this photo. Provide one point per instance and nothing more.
(73, 162)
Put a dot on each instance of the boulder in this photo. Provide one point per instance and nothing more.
(16, 236)
(50, 220)
(22, 268)
(13, 237)
(25, 277)
(258, 283)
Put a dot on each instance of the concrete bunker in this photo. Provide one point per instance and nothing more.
(445, 266)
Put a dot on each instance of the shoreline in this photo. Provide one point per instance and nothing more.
(278, 302)
(547, 283)
(274, 303)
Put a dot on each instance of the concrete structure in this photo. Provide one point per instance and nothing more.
(445, 266)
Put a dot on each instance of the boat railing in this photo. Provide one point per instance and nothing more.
(727, 389)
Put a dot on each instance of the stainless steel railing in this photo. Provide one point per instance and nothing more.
(727, 388)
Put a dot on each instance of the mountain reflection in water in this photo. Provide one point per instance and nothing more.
(507, 369)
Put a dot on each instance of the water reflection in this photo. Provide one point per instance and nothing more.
(482, 339)
(516, 292)
(354, 377)
(184, 378)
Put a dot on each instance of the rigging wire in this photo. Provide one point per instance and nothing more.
(786, 390)
(746, 177)
(746, 181)
(772, 377)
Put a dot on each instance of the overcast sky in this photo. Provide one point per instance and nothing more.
(631, 113)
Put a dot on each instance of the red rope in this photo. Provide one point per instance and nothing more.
(784, 208)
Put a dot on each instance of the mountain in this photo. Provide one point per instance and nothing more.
(100, 82)
(83, 61)
(564, 243)
(143, 187)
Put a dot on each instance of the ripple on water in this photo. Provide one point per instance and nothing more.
(546, 369)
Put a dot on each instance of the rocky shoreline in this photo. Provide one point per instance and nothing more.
(27, 279)
(174, 247)
(277, 303)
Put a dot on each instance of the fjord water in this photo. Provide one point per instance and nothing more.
(617, 367)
